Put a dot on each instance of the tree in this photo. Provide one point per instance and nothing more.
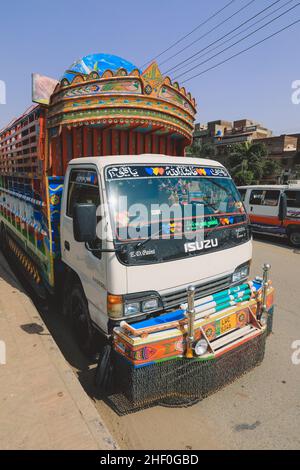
(193, 150)
(205, 150)
(243, 178)
(272, 167)
(248, 163)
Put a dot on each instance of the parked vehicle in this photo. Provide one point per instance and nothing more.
(62, 218)
(274, 210)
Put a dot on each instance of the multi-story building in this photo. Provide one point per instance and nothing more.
(223, 134)
(285, 149)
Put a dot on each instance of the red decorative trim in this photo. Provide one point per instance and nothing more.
(115, 146)
(124, 142)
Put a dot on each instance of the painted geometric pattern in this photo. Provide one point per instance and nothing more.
(121, 113)
(172, 342)
(120, 90)
(56, 185)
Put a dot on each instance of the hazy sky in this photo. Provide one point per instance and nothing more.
(47, 36)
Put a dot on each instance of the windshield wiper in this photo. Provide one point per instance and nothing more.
(207, 204)
(144, 242)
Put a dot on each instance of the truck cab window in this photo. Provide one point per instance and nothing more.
(256, 197)
(271, 198)
(243, 193)
(293, 199)
(264, 197)
(83, 188)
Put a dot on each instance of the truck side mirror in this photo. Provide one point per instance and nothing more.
(84, 222)
(282, 206)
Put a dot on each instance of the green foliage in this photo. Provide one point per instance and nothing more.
(200, 150)
(271, 167)
(193, 150)
(243, 178)
(248, 163)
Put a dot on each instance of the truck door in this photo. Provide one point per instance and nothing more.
(292, 219)
(264, 210)
(83, 186)
(293, 205)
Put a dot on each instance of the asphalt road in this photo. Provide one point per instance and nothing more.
(261, 410)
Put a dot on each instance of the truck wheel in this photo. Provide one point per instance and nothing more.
(294, 238)
(81, 323)
(104, 371)
(3, 241)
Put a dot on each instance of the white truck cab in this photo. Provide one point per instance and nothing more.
(129, 270)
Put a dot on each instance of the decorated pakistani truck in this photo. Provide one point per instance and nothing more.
(150, 250)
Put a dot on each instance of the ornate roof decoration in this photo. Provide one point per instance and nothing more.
(107, 90)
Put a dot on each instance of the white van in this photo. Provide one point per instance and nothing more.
(274, 210)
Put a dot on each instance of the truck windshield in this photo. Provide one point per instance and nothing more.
(170, 212)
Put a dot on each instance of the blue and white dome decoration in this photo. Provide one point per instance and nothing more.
(98, 63)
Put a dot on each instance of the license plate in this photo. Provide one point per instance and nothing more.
(227, 324)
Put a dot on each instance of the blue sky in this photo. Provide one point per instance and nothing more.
(47, 36)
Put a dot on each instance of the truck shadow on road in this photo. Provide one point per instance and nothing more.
(7, 275)
(57, 324)
(282, 243)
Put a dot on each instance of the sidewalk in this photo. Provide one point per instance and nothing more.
(42, 404)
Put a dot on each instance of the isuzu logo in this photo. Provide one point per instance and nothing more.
(199, 246)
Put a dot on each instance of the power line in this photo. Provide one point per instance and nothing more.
(208, 32)
(222, 37)
(190, 33)
(237, 42)
(235, 35)
(243, 51)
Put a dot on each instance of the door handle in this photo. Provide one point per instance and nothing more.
(67, 245)
(251, 209)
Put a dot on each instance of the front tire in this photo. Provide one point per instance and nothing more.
(104, 371)
(83, 329)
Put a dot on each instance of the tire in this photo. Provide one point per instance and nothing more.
(294, 238)
(81, 324)
(3, 238)
(104, 371)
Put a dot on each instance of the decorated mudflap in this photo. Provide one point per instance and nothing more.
(181, 357)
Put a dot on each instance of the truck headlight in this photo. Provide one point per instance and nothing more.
(131, 309)
(241, 273)
(201, 347)
(119, 306)
(149, 305)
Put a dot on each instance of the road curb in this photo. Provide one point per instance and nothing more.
(99, 433)
(84, 404)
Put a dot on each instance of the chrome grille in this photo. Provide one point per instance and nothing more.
(174, 299)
